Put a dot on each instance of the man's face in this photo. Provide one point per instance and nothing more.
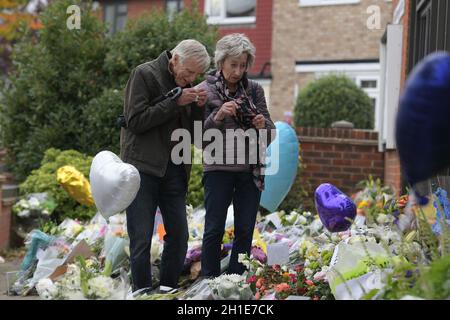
(185, 73)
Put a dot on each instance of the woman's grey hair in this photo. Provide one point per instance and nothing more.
(191, 48)
(234, 45)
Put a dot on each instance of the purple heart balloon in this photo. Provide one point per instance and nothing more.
(336, 210)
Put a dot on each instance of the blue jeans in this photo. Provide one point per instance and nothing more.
(169, 193)
(222, 188)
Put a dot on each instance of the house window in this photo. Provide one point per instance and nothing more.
(115, 16)
(230, 11)
(308, 3)
(173, 6)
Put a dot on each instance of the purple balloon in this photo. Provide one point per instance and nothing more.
(336, 210)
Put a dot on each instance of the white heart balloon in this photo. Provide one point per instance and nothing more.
(114, 184)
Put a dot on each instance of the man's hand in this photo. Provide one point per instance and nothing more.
(202, 97)
(228, 109)
(188, 96)
(259, 121)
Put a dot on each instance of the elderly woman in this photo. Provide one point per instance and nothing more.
(234, 102)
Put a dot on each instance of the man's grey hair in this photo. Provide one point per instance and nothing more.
(191, 48)
(234, 45)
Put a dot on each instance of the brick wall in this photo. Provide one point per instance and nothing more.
(342, 157)
(332, 32)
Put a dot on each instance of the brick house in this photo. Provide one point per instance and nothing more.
(418, 28)
(254, 18)
(312, 38)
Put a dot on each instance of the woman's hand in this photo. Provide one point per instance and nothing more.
(259, 121)
(228, 109)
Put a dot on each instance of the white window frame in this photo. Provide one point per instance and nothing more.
(315, 3)
(222, 19)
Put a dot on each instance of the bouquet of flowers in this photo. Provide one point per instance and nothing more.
(230, 287)
(281, 281)
(82, 280)
(35, 205)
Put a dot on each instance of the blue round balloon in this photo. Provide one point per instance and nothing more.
(282, 164)
(423, 119)
(336, 210)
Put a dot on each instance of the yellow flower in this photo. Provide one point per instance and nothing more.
(363, 204)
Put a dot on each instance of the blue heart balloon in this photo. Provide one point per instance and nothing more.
(336, 210)
(282, 164)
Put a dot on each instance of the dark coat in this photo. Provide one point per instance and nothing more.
(145, 143)
(255, 92)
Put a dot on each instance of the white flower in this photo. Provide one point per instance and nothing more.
(101, 287)
(46, 289)
(382, 218)
(45, 212)
(302, 220)
(308, 272)
(259, 271)
(24, 213)
(241, 257)
(34, 203)
(24, 204)
(307, 214)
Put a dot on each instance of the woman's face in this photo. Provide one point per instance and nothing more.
(233, 68)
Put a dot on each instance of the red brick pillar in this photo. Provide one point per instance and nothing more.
(5, 219)
(392, 173)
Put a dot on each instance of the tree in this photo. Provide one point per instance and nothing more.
(67, 87)
(15, 18)
(333, 98)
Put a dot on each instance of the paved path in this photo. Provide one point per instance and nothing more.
(12, 264)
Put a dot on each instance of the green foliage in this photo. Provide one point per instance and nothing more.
(427, 282)
(145, 38)
(100, 115)
(434, 283)
(44, 180)
(67, 87)
(333, 98)
(54, 78)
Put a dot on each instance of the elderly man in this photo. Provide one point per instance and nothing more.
(146, 144)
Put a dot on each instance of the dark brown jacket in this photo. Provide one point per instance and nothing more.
(146, 141)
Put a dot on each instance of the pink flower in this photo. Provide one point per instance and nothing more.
(319, 276)
(282, 287)
(251, 279)
(293, 277)
(309, 283)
